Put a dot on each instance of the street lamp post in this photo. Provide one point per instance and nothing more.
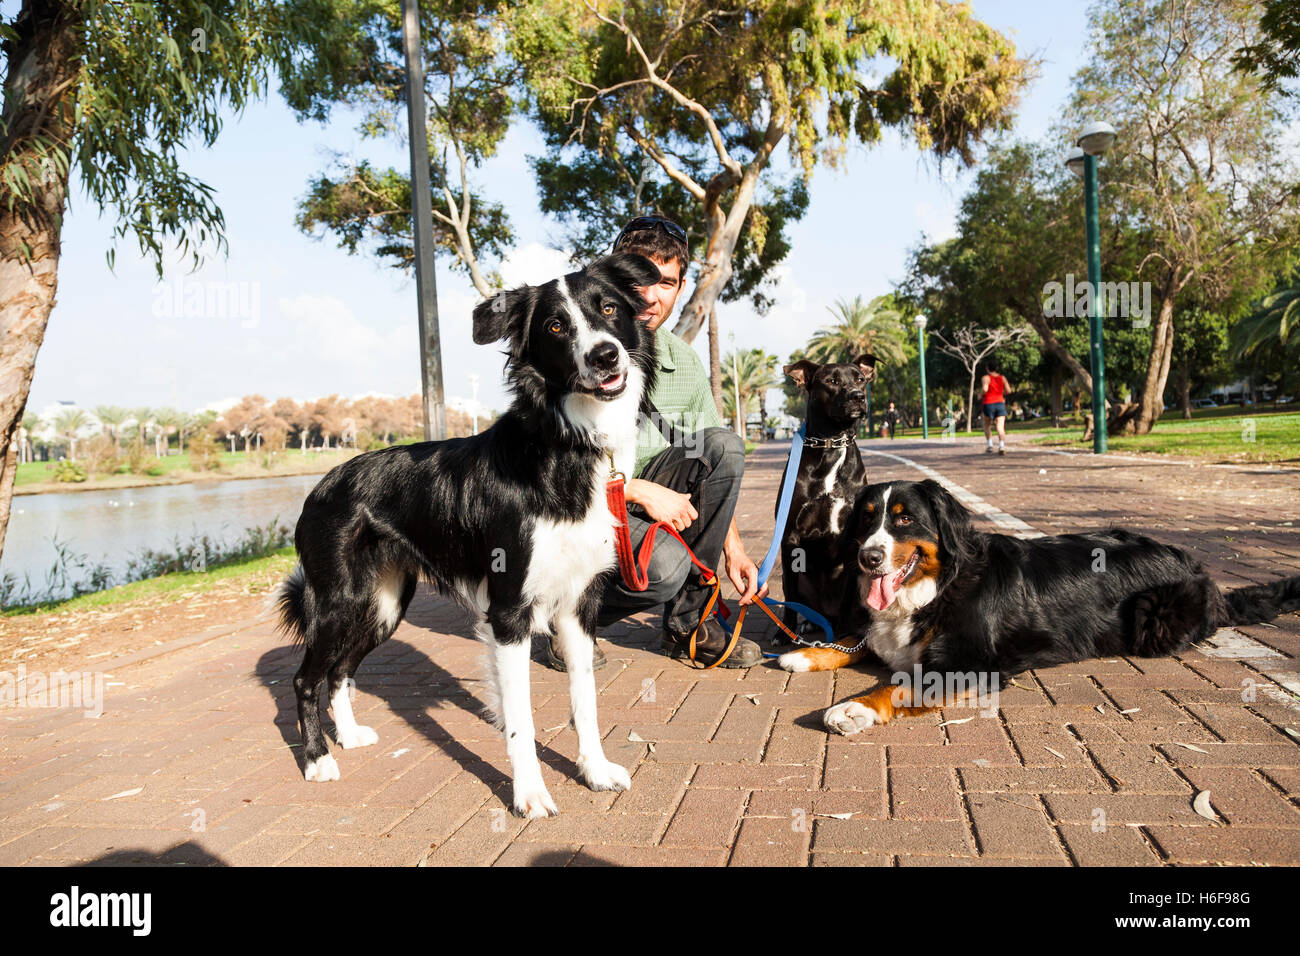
(1095, 139)
(426, 292)
(735, 381)
(920, 321)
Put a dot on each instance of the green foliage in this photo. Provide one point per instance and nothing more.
(70, 471)
(707, 91)
(470, 86)
(877, 327)
(1275, 56)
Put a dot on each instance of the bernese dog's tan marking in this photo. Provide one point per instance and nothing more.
(824, 658)
(882, 705)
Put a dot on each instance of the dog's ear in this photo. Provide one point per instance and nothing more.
(802, 372)
(505, 315)
(867, 363)
(951, 517)
(627, 270)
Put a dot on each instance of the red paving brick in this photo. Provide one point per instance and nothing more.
(1094, 763)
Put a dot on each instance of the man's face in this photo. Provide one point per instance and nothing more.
(662, 297)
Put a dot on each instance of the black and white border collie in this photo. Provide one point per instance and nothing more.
(512, 523)
(933, 592)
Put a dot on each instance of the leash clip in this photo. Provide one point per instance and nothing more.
(614, 473)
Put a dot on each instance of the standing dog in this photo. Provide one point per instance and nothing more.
(936, 595)
(512, 523)
(830, 476)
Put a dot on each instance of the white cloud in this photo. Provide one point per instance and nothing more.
(534, 264)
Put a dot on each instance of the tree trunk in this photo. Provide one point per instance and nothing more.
(1152, 398)
(1062, 354)
(715, 362)
(1057, 388)
(1185, 388)
(970, 401)
(39, 98)
(715, 271)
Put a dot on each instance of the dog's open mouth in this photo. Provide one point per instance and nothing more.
(885, 586)
(611, 387)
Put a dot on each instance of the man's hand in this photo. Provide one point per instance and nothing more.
(660, 503)
(741, 570)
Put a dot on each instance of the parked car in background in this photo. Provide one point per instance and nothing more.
(1285, 399)
(1205, 403)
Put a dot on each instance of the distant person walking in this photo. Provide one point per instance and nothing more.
(994, 386)
(891, 419)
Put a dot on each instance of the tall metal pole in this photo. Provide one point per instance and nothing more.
(435, 409)
(925, 418)
(1098, 352)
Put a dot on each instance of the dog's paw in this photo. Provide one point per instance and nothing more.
(322, 769)
(604, 775)
(534, 802)
(796, 662)
(850, 718)
(360, 737)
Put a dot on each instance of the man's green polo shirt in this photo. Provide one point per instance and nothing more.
(681, 394)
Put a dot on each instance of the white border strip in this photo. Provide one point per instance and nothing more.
(971, 500)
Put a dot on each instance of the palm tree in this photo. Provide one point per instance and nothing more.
(1276, 320)
(168, 420)
(112, 416)
(1274, 325)
(755, 372)
(873, 327)
(188, 424)
(67, 423)
(142, 417)
(31, 422)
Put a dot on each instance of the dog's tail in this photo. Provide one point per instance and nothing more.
(288, 602)
(1261, 602)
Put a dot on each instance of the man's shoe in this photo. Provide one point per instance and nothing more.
(556, 660)
(1002, 449)
(710, 644)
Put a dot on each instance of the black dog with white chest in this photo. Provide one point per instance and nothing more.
(512, 523)
(830, 476)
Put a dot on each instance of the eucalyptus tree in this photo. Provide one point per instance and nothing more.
(115, 92)
(472, 92)
(710, 90)
(1201, 161)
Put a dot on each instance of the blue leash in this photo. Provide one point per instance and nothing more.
(774, 550)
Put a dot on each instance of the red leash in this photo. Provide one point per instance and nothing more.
(634, 567)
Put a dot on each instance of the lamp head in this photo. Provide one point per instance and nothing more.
(1096, 138)
(920, 321)
(1074, 161)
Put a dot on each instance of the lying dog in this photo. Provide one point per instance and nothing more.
(512, 523)
(830, 476)
(934, 592)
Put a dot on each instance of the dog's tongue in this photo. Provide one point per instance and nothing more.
(882, 591)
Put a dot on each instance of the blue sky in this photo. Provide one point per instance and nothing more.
(315, 321)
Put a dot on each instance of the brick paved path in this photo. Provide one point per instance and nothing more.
(1093, 763)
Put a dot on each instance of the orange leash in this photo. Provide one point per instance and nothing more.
(634, 567)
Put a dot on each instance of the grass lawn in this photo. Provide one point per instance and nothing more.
(272, 567)
(1217, 434)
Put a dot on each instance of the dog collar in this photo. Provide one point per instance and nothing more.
(840, 441)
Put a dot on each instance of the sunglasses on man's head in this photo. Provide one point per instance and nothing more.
(649, 222)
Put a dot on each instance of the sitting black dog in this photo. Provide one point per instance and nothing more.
(830, 476)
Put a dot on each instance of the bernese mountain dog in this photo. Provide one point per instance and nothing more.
(932, 596)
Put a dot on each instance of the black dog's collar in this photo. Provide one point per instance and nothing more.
(840, 441)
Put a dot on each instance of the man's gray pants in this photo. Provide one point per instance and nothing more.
(707, 466)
